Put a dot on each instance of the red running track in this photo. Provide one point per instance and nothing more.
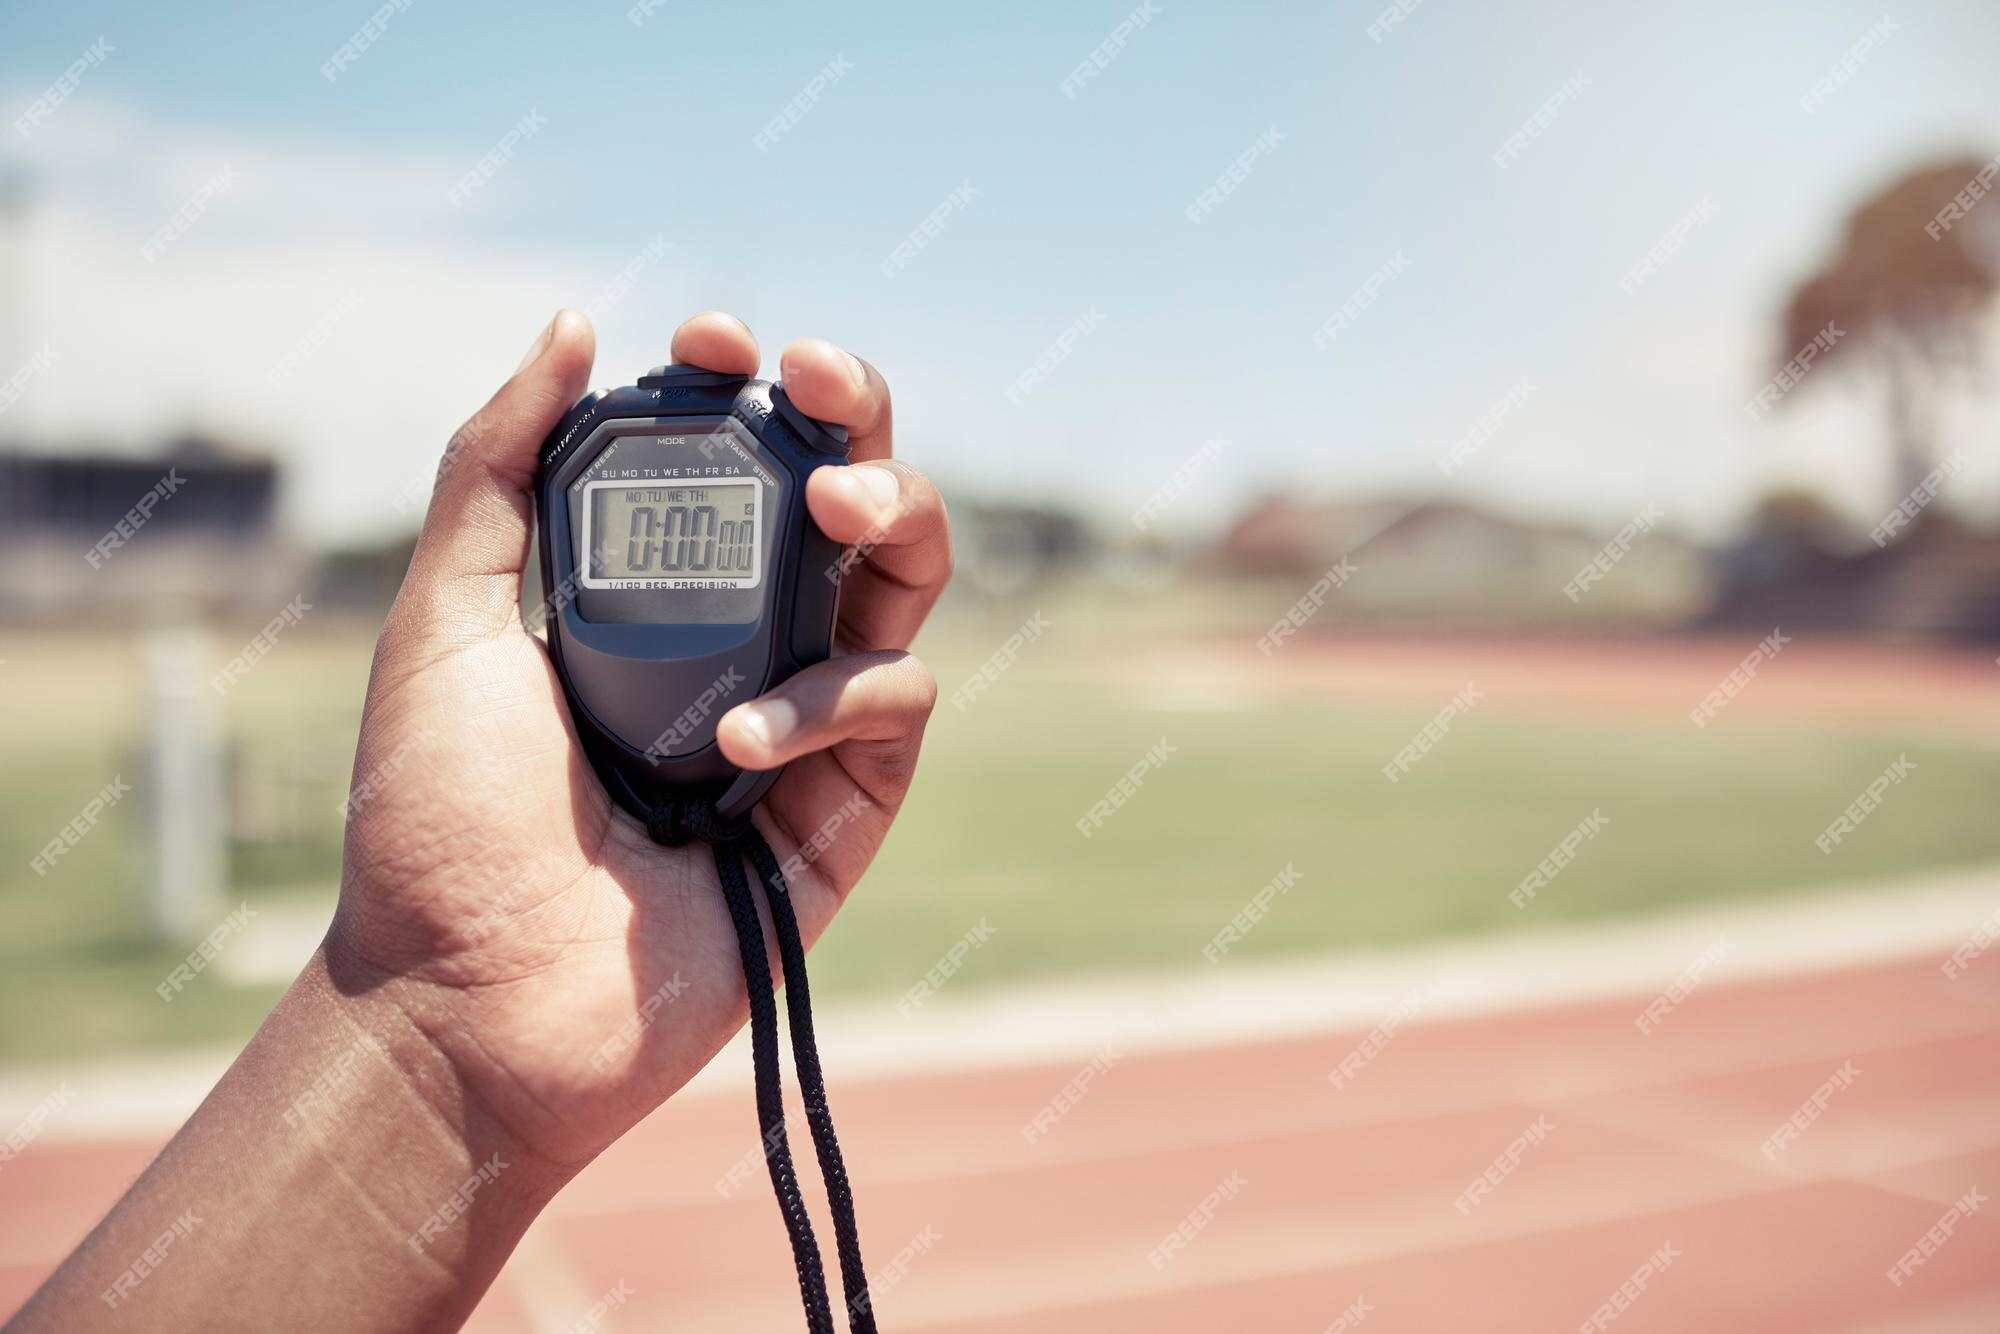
(1647, 1148)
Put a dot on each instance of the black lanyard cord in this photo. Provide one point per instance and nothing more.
(674, 824)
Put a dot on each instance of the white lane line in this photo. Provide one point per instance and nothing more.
(1207, 1005)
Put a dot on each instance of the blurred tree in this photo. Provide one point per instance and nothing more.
(1907, 297)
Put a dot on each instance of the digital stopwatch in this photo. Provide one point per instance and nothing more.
(682, 571)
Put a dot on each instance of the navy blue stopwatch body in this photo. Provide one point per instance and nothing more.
(683, 575)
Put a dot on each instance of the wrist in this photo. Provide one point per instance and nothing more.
(340, 1143)
(449, 1179)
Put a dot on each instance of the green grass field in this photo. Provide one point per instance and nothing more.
(990, 830)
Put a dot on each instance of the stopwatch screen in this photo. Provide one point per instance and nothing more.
(654, 535)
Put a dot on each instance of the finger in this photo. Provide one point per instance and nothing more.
(836, 386)
(717, 342)
(872, 706)
(466, 571)
(895, 521)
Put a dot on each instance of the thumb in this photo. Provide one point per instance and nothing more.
(464, 581)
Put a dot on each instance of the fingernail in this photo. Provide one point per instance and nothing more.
(771, 721)
(856, 371)
(881, 484)
(541, 344)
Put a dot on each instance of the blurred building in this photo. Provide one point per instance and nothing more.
(1003, 548)
(1800, 566)
(94, 537)
(1448, 563)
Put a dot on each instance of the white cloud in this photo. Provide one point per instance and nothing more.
(147, 348)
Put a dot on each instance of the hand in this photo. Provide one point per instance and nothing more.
(514, 913)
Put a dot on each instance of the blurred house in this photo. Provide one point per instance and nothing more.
(191, 530)
(1448, 563)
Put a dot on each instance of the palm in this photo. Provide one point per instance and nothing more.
(585, 972)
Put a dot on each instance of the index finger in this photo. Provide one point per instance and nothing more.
(827, 382)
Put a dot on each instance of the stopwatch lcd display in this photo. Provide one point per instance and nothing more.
(662, 535)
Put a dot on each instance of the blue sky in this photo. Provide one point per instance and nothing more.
(341, 188)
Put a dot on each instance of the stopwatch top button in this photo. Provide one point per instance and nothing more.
(661, 376)
(809, 427)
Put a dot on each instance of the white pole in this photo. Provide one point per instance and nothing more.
(186, 831)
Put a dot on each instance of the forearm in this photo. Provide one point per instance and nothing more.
(338, 1177)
